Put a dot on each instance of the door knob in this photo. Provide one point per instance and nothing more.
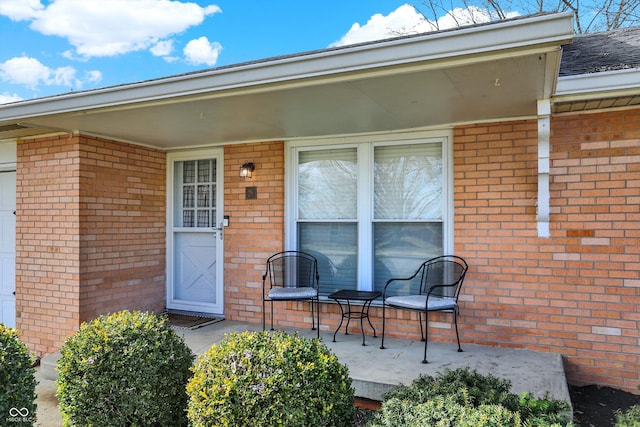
(221, 230)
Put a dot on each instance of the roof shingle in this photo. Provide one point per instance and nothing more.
(597, 52)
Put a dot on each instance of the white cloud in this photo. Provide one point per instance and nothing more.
(201, 51)
(7, 97)
(407, 20)
(31, 73)
(21, 10)
(162, 48)
(70, 55)
(63, 76)
(25, 71)
(404, 20)
(114, 27)
(468, 16)
(93, 76)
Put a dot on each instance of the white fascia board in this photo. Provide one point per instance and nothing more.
(527, 34)
(597, 85)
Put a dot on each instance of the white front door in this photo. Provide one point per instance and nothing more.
(195, 233)
(8, 248)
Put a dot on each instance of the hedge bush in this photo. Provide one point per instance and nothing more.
(465, 384)
(268, 379)
(445, 411)
(17, 380)
(468, 395)
(125, 369)
(628, 418)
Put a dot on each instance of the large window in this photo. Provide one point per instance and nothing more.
(369, 211)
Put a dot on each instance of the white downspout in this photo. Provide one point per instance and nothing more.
(544, 132)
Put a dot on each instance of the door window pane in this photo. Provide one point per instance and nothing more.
(204, 171)
(188, 199)
(204, 218)
(188, 172)
(187, 218)
(204, 196)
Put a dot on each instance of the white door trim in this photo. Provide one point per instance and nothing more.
(8, 162)
(8, 249)
(171, 302)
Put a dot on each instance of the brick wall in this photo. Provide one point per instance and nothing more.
(256, 227)
(495, 180)
(47, 244)
(90, 234)
(596, 218)
(575, 293)
(122, 227)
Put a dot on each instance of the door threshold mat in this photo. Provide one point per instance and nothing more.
(185, 321)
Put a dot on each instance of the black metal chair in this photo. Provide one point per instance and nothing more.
(435, 286)
(292, 276)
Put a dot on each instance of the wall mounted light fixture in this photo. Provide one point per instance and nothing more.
(246, 170)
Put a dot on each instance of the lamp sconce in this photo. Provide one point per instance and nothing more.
(246, 170)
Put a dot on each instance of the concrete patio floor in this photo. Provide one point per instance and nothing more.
(374, 371)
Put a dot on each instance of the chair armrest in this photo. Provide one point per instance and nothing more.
(397, 279)
(434, 287)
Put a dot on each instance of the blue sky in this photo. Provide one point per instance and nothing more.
(50, 47)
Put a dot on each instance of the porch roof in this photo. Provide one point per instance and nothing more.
(479, 73)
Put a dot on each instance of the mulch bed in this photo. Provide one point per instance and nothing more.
(595, 406)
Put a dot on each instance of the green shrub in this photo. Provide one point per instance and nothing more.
(468, 395)
(17, 380)
(126, 369)
(628, 418)
(543, 412)
(268, 379)
(444, 411)
(464, 384)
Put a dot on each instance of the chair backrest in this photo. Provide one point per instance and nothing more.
(292, 269)
(443, 276)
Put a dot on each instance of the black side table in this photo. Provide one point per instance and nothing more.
(348, 295)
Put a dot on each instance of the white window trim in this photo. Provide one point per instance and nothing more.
(365, 211)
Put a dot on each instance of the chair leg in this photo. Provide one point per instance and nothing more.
(422, 338)
(263, 314)
(426, 335)
(313, 315)
(317, 316)
(383, 322)
(272, 315)
(455, 321)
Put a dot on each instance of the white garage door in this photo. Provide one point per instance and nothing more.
(8, 248)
